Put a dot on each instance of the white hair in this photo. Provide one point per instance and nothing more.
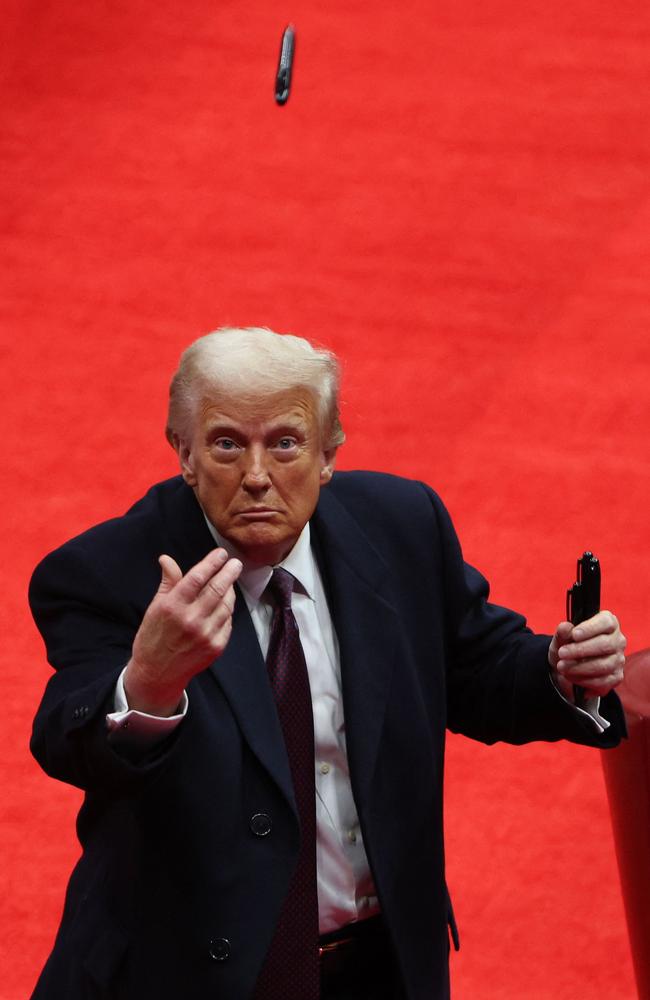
(253, 361)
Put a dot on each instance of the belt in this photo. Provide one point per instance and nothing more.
(351, 946)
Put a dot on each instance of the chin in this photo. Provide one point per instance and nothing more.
(262, 545)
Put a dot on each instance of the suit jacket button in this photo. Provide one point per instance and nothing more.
(220, 949)
(76, 713)
(261, 824)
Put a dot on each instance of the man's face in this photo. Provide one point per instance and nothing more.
(257, 466)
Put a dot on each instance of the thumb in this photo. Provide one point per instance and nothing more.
(171, 574)
(561, 637)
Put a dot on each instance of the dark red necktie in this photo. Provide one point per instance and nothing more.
(291, 969)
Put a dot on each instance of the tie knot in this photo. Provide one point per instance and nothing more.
(280, 586)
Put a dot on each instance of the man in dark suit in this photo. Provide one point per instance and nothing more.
(202, 875)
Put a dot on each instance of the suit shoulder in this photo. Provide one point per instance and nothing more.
(129, 530)
(382, 489)
(406, 509)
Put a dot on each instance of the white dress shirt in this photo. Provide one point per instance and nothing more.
(345, 888)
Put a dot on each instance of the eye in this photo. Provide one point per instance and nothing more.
(285, 443)
(225, 444)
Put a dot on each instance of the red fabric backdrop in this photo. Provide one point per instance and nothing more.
(456, 199)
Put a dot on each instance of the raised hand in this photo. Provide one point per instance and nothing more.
(186, 627)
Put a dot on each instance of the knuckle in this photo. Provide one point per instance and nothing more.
(169, 613)
(195, 576)
(165, 609)
(219, 639)
(217, 589)
(196, 631)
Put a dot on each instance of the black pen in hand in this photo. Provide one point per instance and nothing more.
(583, 602)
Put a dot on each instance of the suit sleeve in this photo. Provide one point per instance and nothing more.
(498, 678)
(88, 629)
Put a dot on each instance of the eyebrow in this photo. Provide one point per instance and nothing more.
(286, 425)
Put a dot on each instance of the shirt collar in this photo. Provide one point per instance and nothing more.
(254, 579)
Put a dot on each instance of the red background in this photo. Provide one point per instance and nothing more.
(456, 200)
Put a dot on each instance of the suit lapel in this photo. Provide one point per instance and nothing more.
(242, 676)
(367, 627)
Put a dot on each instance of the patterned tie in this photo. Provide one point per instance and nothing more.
(291, 969)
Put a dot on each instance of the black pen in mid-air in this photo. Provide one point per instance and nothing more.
(285, 65)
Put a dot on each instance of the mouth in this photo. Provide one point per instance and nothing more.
(258, 513)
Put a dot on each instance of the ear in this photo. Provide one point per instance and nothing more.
(327, 466)
(184, 452)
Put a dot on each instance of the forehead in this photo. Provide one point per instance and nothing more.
(296, 405)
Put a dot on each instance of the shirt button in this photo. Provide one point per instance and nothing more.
(352, 836)
(325, 768)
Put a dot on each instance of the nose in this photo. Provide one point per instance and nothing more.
(256, 477)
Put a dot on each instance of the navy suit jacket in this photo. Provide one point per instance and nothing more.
(172, 871)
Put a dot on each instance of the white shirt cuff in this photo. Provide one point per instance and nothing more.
(139, 729)
(590, 708)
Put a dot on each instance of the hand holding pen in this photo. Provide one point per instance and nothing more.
(588, 649)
